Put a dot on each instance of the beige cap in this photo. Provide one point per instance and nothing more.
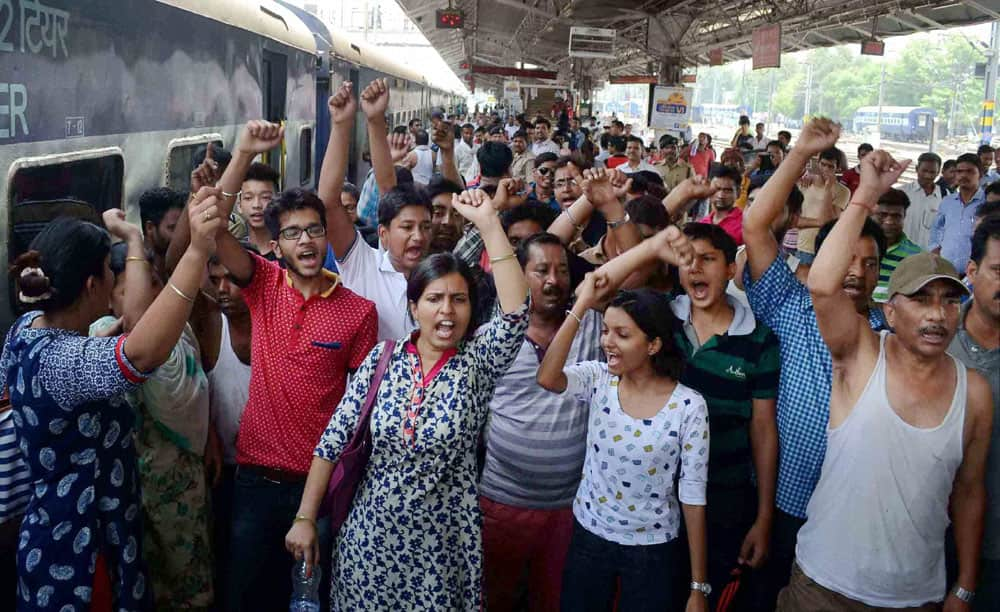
(917, 270)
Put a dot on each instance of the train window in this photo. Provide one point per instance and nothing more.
(305, 155)
(82, 184)
(182, 153)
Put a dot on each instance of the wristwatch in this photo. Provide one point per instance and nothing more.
(702, 587)
(964, 594)
(619, 223)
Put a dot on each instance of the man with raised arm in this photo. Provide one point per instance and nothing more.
(908, 436)
(404, 216)
(308, 333)
(783, 303)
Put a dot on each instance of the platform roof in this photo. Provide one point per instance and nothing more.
(505, 33)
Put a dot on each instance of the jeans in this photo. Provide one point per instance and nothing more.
(988, 591)
(260, 569)
(643, 576)
(222, 520)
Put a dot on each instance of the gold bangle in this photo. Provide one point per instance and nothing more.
(134, 258)
(302, 517)
(231, 195)
(496, 260)
(183, 295)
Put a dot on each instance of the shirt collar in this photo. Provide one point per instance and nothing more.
(384, 263)
(330, 276)
(743, 322)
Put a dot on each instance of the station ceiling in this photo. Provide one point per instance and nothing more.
(505, 33)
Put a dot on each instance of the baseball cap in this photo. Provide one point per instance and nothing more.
(917, 270)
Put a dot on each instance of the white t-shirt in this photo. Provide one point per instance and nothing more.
(627, 494)
(369, 273)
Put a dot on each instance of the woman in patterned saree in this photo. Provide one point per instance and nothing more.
(171, 411)
(412, 539)
(73, 426)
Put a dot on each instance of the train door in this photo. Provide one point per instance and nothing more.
(323, 127)
(274, 77)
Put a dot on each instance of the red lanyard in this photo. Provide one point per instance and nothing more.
(416, 401)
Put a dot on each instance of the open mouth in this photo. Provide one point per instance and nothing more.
(414, 253)
(308, 257)
(934, 336)
(614, 360)
(445, 330)
(700, 290)
(853, 291)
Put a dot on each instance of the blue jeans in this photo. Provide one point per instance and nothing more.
(260, 569)
(643, 576)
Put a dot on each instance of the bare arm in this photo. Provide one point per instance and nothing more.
(512, 288)
(764, 447)
(302, 539)
(339, 229)
(444, 138)
(139, 292)
(684, 195)
(205, 175)
(257, 137)
(968, 495)
(571, 220)
(697, 533)
(374, 103)
(599, 188)
(839, 322)
(762, 249)
(156, 333)
(550, 373)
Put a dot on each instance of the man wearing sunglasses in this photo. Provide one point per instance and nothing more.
(543, 189)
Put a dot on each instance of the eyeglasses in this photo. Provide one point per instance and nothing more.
(566, 183)
(295, 232)
(545, 170)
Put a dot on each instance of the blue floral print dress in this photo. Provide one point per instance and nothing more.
(74, 429)
(412, 540)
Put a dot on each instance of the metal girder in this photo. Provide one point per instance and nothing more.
(926, 20)
(982, 9)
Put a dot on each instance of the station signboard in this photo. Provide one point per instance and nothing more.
(511, 90)
(715, 57)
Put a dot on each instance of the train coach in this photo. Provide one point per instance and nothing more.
(105, 99)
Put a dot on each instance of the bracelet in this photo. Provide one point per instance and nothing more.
(572, 220)
(496, 260)
(302, 517)
(573, 314)
(135, 258)
(232, 195)
(183, 295)
(619, 223)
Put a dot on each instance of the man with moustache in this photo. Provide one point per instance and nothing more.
(782, 302)
(522, 165)
(673, 170)
(724, 213)
(301, 315)
(908, 435)
(535, 445)
(446, 224)
(977, 345)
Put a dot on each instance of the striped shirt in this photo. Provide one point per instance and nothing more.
(536, 440)
(729, 371)
(15, 478)
(893, 255)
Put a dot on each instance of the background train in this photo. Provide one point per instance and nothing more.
(105, 99)
(906, 123)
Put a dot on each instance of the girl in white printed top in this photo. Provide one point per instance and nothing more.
(646, 433)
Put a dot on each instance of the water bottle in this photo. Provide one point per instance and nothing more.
(305, 590)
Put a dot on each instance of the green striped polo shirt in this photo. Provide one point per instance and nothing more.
(729, 371)
(893, 255)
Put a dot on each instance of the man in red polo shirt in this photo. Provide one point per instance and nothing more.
(724, 213)
(309, 332)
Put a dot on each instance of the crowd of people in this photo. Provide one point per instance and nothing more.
(597, 375)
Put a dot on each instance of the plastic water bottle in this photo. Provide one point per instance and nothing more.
(305, 590)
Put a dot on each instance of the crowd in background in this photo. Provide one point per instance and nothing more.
(602, 374)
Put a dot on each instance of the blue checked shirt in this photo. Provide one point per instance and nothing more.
(952, 228)
(783, 303)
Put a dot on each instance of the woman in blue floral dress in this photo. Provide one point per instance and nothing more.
(412, 540)
(73, 426)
